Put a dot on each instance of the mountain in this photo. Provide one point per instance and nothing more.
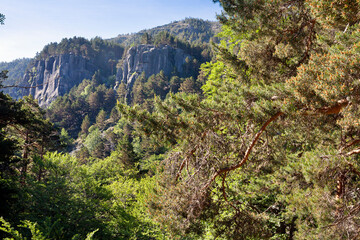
(177, 49)
(191, 30)
(61, 66)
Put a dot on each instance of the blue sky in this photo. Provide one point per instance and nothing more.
(31, 24)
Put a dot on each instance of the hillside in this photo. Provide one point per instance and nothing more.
(192, 30)
(16, 70)
(107, 56)
(60, 67)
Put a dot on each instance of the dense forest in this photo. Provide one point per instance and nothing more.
(259, 142)
(195, 31)
(16, 70)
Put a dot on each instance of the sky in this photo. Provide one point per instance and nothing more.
(31, 24)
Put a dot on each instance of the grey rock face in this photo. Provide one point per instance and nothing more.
(56, 75)
(150, 60)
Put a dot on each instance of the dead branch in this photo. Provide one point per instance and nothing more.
(185, 162)
(335, 109)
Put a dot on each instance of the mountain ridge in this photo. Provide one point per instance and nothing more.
(182, 29)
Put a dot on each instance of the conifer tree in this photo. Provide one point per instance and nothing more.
(271, 151)
(100, 119)
(94, 101)
(85, 125)
(121, 92)
(114, 115)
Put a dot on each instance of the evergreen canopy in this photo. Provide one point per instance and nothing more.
(271, 151)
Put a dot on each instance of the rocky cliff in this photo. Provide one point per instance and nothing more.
(150, 60)
(56, 75)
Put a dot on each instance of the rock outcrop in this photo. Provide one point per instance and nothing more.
(150, 60)
(56, 75)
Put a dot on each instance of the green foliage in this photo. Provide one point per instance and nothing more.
(194, 30)
(114, 115)
(144, 90)
(81, 106)
(100, 119)
(80, 198)
(6, 227)
(271, 152)
(93, 139)
(85, 125)
(146, 38)
(16, 70)
(90, 235)
(65, 140)
(63, 197)
(36, 234)
(95, 48)
(262, 144)
(24, 128)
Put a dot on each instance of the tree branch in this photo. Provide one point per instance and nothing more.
(247, 153)
(17, 86)
(349, 144)
(335, 109)
(355, 151)
(185, 161)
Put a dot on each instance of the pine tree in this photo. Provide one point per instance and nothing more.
(114, 115)
(271, 151)
(146, 38)
(100, 119)
(139, 93)
(94, 101)
(121, 92)
(85, 125)
(110, 99)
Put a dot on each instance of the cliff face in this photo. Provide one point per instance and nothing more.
(150, 60)
(56, 75)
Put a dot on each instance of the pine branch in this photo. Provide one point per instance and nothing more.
(247, 153)
(349, 144)
(335, 109)
(355, 151)
(224, 194)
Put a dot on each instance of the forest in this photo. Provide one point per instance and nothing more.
(258, 138)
